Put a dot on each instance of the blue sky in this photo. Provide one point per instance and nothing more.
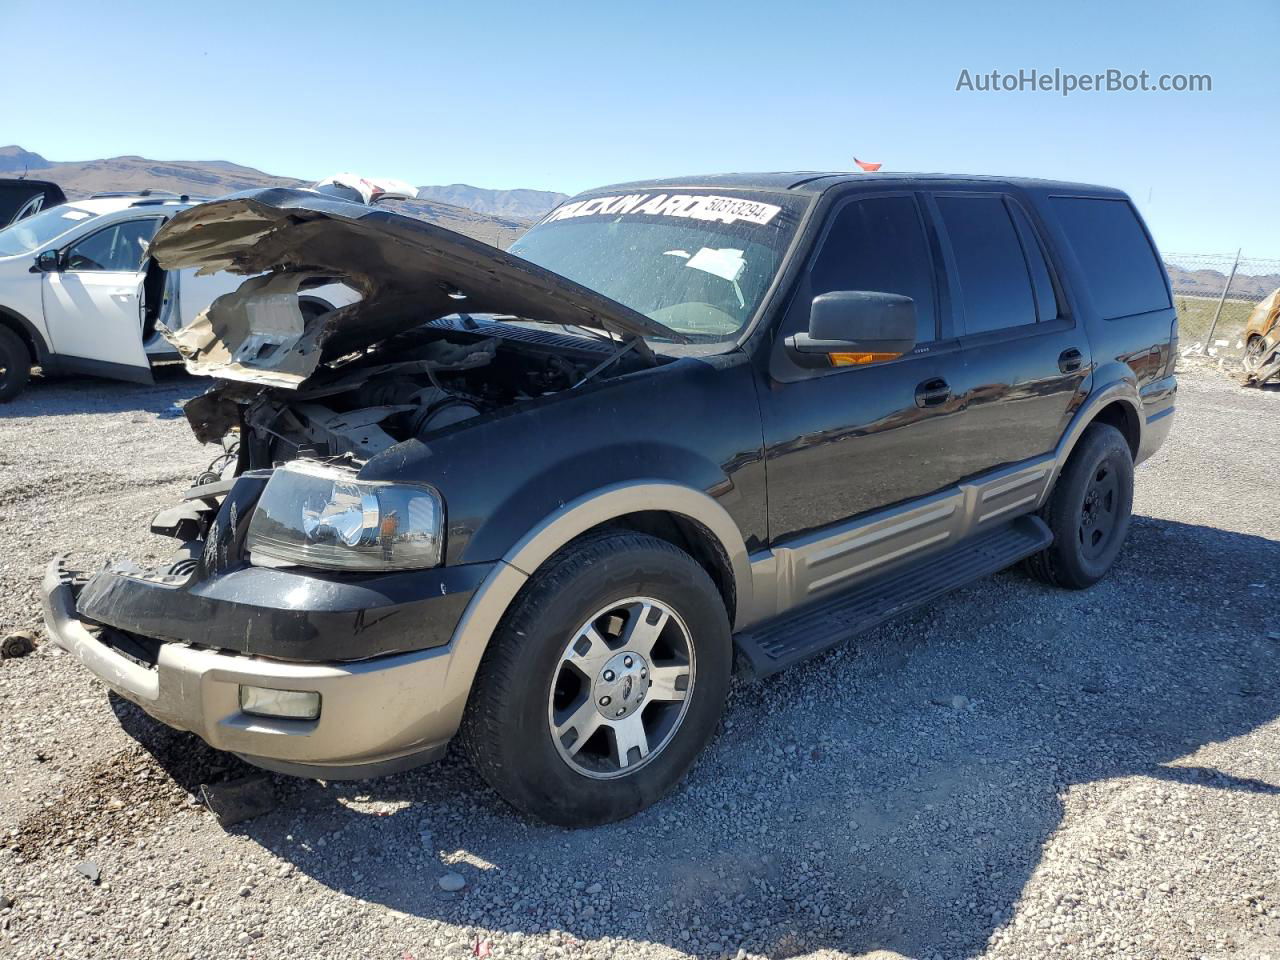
(568, 96)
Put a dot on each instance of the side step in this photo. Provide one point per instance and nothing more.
(785, 640)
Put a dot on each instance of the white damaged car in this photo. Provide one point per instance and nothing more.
(80, 294)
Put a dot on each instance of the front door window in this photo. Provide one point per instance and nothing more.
(121, 247)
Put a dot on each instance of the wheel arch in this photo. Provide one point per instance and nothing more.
(1124, 417)
(1117, 404)
(689, 535)
(25, 329)
(681, 515)
(656, 506)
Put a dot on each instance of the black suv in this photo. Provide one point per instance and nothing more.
(545, 499)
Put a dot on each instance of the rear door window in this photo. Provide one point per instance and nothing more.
(995, 281)
(1120, 266)
(1041, 279)
(879, 244)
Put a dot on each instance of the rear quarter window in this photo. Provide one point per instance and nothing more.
(1121, 269)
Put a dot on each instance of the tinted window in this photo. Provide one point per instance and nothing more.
(1041, 281)
(879, 244)
(1120, 268)
(13, 197)
(121, 247)
(995, 286)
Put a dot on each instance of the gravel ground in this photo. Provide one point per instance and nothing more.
(1013, 772)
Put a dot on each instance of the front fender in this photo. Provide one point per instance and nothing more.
(576, 518)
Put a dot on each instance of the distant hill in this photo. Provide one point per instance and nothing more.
(1208, 283)
(217, 178)
(81, 178)
(16, 160)
(525, 204)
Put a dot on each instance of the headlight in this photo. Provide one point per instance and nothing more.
(317, 516)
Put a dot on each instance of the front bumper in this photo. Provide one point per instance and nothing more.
(377, 715)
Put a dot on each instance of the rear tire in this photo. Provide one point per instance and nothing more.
(1088, 511)
(15, 365)
(603, 683)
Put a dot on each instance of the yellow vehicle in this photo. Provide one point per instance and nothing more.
(1262, 340)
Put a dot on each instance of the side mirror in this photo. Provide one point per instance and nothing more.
(47, 262)
(853, 328)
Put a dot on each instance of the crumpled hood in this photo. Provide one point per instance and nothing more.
(408, 272)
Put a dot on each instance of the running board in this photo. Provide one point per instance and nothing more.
(778, 643)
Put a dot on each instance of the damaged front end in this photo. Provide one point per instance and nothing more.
(413, 355)
(305, 617)
(230, 649)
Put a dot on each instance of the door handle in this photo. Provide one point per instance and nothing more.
(932, 392)
(1069, 361)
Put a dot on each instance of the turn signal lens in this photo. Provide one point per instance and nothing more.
(858, 359)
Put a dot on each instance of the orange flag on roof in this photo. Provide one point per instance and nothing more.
(868, 167)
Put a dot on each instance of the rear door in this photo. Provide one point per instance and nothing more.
(93, 304)
(1132, 319)
(1026, 359)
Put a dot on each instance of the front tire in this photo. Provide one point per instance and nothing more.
(15, 365)
(603, 683)
(1088, 511)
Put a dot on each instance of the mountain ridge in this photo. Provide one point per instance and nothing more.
(494, 223)
(520, 202)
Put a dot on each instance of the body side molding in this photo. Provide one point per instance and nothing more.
(824, 562)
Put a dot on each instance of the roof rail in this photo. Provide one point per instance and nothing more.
(132, 193)
(154, 201)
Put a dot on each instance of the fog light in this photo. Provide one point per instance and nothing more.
(290, 704)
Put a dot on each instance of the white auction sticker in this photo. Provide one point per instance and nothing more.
(683, 205)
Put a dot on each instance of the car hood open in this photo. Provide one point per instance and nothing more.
(408, 272)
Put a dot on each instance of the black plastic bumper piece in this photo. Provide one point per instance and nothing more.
(287, 614)
(778, 643)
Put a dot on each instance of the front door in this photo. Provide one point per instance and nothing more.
(93, 303)
(844, 442)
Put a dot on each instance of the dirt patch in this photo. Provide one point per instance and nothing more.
(126, 794)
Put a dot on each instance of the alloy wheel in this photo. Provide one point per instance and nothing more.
(621, 688)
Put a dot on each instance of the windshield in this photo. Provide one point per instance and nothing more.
(695, 262)
(35, 233)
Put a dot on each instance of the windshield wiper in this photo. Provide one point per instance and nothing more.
(610, 360)
(589, 331)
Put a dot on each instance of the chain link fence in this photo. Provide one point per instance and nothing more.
(1214, 294)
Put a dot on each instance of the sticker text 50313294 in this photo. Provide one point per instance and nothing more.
(688, 206)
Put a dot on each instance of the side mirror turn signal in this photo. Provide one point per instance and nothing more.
(851, 328)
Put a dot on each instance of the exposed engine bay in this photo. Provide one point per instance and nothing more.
(419, 382)
(399, 363)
